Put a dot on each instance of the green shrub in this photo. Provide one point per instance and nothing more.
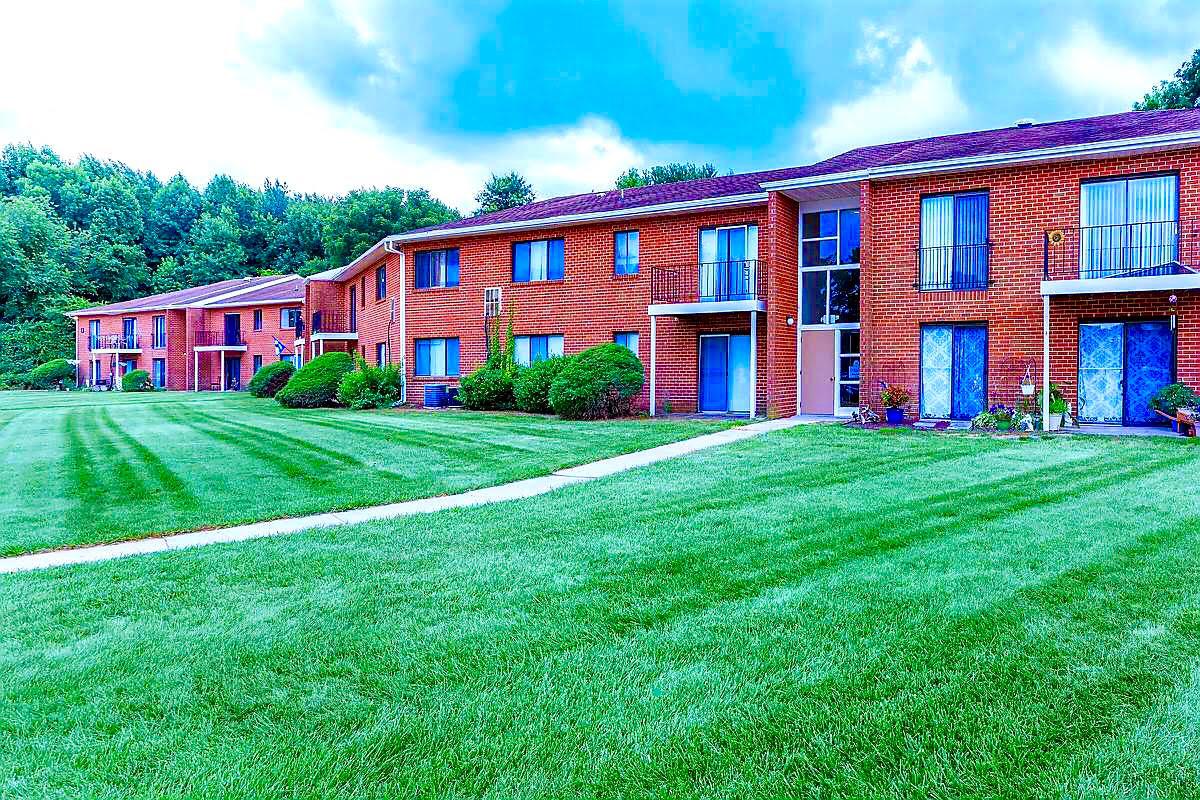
(531, 390)
(598, 383)
(50, 375)
(271, 378)
(316, 383)
(137, 380)
(488, 389)
(370, 387)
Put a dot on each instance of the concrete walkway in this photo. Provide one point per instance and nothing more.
(476, 497)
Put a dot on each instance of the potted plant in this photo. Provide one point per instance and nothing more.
(1002, 416)
(1027, 387)
(1058, 407)
(1168, 400)
(894, 398)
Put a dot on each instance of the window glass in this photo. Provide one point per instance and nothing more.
(849, 236)
(821, 252)
(537, 348)
(843, 296)
(628, 339)
(625, 253)
(820, 223)
(813, 295)
(288, 317)
(258, 319)
(381, 283)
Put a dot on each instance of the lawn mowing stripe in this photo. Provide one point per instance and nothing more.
(177, 490)
(292, 468)
(334, 456)
(87, 486)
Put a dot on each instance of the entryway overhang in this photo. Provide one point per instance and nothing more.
(705, 307)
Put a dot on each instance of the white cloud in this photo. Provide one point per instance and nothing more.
(1101, 72)
(918, 99)
(171, 87)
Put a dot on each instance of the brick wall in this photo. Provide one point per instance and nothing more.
(1024, 202)
(782, 296)
(588, 306)
(114, 325)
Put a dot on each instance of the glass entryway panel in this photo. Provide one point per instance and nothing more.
(1149, 349)
(937, 358)
(848, 369)
(1101, 360)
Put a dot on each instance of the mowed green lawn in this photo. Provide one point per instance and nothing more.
(83, 468)
(815, 613)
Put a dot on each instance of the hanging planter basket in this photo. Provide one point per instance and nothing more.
(1027, 386)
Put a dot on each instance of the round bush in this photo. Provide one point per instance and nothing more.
(50, 374)
(598, 383)
(316, 383)
(531, 390)
(137, 380)
(370, 387)
(487, 389)
(271, 378)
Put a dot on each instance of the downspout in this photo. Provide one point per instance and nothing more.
(390, 247)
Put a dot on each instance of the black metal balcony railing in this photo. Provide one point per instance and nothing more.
(331, 322)
(220, 338)
(708, 282)
(953, 268)
(114, 341)
(1131, 250)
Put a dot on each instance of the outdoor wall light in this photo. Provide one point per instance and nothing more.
(791, 321)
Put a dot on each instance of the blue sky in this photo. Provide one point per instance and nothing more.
(337, 94)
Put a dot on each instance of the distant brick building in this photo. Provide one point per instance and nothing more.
(206, 337)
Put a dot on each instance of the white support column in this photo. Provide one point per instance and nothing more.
(222, 370)
(1045, 362)
(753, 364)
(195, 370)
(653, 363)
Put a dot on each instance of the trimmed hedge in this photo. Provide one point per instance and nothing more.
(137, 380)
(488, 388)
(369, 387)
(51, 374)
(598, 383)
(531, 391)
(271, 378)
(316, 383)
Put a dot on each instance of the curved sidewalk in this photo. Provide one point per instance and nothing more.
(516, 490)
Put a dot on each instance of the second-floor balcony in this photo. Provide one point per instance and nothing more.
(954, 268)
(1163, 254)
(115, 343)
(710, 287)
(221, 339)
(334, 325)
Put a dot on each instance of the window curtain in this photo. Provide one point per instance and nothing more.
(521, 266)
(452, 357)
(1153, 222)
(937, 239)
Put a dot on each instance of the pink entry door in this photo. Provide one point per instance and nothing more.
(816, 372)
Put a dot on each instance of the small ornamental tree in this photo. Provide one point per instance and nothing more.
(51, 374)
(316, 383)
(598, 383)
(271, 378)
(137, 380)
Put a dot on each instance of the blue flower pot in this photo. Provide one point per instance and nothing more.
(1175, 425)
(894, 416)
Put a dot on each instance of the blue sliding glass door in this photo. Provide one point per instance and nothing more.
(1122, 366)
(725, 373)
(953, 371)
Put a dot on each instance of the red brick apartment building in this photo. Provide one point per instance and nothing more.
(207, 337)
(955, 265)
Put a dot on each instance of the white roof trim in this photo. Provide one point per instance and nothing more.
(1111, 146)
(753, 198)
(341, 273)
(243, 290)
(277, 302)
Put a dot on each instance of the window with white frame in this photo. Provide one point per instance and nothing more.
(437, 268)
(627, 339)
(626, 252)
(288, 317)
(830, 249)
(529, 349)
(539, 260)
(160, 332)
(436, 358)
